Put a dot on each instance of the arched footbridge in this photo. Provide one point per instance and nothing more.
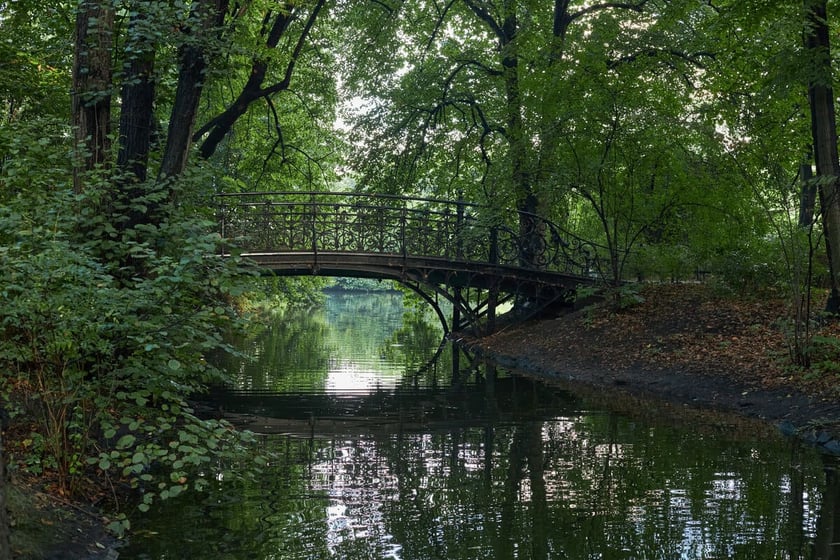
(469, 255)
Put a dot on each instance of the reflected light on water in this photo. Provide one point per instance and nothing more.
(352, 378)
(358, 482)
(372, 457)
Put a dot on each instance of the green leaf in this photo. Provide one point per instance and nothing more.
(126, 441)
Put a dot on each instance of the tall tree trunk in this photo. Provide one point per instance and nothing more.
(519, 147)
(521, 176)
(5, 526)
(193, 62)
(824, 132)
(137, 108)
(136, 121)
(92, 76)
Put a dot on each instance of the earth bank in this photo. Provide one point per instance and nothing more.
(693, 352)
(684, 345)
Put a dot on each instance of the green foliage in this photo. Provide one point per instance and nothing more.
(285, 140)
(272, 292)
(362, 284)
(105, 327)
(34, 59)
(754, 267)
(825, 356)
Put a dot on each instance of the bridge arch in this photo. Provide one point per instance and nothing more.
(462, 252)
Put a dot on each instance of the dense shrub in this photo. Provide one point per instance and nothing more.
(104, 329)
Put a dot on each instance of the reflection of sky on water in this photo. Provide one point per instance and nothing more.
(354, 378)
(355, 509)
(364, 491)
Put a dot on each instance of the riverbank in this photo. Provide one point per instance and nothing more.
(686, 346)
(46, 527)
(694, 352)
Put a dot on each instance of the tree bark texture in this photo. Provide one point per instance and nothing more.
(193, 55)
(5, 525)
(137, 111)
(136, 124)
(92, 82)
(824, 133)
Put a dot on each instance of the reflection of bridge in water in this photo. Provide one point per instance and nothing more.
(472, 256)
(481, 401)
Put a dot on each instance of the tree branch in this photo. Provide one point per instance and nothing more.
(636, 7)
(220, 125)
(694, 58)
(485, 16)
(439, 23)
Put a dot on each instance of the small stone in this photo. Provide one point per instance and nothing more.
(787, 427)
(832, 446)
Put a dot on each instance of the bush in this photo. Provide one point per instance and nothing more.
(104, 329)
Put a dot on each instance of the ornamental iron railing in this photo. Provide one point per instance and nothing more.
(340, 222)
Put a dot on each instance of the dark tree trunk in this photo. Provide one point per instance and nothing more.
(824, 132)
(807, 196)
(217, 128)
(136, 124)
(137, 117)
(193, 62)
(91, 96)
(506, 30)
(5, 525)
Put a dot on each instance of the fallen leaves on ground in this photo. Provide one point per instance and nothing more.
(684, 327)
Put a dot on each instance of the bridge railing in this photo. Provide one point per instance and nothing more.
(319, 222)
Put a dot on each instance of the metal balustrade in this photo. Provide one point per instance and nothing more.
(364, 224)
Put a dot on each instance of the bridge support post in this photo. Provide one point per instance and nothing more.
(457, 301)
(492, 301)
(493, 297)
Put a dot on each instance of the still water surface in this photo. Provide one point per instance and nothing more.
(382, 452)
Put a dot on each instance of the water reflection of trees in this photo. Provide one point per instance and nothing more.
(508, 469)
(297, 348)
(827, 541)
(597, 485)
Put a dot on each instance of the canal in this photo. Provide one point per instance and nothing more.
(384, 445)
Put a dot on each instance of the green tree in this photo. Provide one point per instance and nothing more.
(824, 135)
(534, 102)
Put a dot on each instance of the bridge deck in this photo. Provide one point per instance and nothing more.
(427, 270)
(447, 247)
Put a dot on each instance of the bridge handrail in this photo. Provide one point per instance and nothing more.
(346, 221)
(351, 194)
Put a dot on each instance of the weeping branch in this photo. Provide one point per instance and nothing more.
(218, 127)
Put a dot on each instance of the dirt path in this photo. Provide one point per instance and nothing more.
(685, 347)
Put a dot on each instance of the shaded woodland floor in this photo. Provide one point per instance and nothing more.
(685, 345)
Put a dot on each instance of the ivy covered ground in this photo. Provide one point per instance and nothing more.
(687, 345)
